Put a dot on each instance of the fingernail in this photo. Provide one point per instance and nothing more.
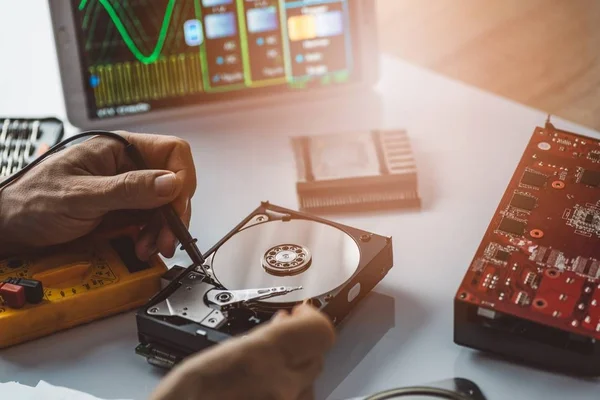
(164, 185)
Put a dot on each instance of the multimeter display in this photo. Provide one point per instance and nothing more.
(143, 55)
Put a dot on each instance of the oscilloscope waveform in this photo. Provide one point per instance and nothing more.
(129, 42)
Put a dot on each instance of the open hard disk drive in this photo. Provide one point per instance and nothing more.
(274, 259)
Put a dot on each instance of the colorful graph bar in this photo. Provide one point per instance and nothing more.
(318, 45)
(263, 42)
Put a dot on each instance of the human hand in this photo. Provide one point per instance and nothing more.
(279, 360)
(69, 194)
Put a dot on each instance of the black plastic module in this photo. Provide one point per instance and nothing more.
(526, 341)
(24, 139)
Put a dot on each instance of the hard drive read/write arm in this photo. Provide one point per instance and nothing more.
(227, 299)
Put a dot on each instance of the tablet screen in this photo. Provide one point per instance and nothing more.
(143, 55)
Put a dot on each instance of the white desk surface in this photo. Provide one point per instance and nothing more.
(467, 143)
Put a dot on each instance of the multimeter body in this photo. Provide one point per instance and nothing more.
(85, 280)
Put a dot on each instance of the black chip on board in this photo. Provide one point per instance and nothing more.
(589, 218)
(586, 270)
(512, 226)
(590, 178)
(594, 156)
(523, 202)
(533, 179)
(502, 255)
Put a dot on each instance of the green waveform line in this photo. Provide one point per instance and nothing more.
(162, 35)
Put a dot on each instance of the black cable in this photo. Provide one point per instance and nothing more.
(418, 391)
(59, 146)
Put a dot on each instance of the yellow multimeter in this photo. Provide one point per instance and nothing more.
(85, 280)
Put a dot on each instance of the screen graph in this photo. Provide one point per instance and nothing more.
(140, 55)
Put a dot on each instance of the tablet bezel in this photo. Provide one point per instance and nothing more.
(64, 29)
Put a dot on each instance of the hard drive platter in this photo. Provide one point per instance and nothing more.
(314, 255)
(274, 259)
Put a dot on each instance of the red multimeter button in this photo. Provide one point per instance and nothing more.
(13, 295)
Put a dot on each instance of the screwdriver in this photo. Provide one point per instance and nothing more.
(188, 243)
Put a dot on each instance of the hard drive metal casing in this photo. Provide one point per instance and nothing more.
(165, 340)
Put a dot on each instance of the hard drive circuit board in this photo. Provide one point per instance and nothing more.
(540, 257)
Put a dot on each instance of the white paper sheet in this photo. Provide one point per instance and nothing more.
(43, 390)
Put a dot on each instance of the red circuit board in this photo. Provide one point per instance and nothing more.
(540, 257)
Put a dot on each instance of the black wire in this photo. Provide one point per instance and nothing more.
(59, 146)
(418, 391)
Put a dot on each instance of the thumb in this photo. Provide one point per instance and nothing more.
(141, 190)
